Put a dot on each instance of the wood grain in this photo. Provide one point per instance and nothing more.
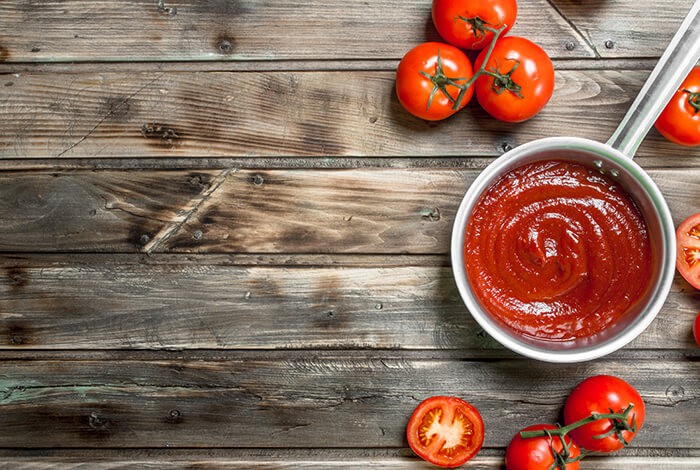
(313, 461)
(620, 28)
(308, 459)
(50, 211)
(100, 303)
(303, 401)
(254, 30)
(296, 113)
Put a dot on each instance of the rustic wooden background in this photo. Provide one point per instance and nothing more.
(224, 243)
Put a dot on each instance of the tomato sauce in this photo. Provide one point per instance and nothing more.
(556, 251)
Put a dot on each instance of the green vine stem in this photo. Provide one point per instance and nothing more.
(618, 420)
(502, 81)
(619, 423)
(482, 26)
(693, 99)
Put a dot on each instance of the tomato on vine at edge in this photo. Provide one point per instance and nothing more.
(679, 122)
(604, 395)
(518, 79)
(696, 329)
(445, 431)
(542, 453)
(469, 24)
(428, 79)
(688, 249)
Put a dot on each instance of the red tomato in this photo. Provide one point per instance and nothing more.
(603, 394)
(696, 329)
(427, 80)
(679, 122)
(535, 453)
(688, 249)
(524, 81)
(445, 431)
(460, 22)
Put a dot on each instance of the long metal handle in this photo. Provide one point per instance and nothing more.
(676, 62)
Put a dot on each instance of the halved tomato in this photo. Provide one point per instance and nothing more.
(688, 249)
(445, 431)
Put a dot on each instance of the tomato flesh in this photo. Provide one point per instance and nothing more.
(445, 431)
(688, 250)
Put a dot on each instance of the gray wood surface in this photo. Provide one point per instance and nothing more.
(223, 243)
(290, 113)
(370, 302)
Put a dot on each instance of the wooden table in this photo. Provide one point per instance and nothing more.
(225, 244)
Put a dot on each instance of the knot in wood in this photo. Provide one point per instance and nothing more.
(96, 422)
(675, 393)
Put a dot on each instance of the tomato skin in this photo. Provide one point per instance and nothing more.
(679, 122)
(534, 453)
(688, 249)
(413, 88)
(450, 415)
(534, 74)
(600, 394)
(696, 329)
(495, 13)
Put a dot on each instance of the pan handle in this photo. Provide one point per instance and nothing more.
(673, 67)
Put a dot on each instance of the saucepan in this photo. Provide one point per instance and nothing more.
(612, 159)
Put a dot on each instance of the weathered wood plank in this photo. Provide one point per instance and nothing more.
(94, 211)
(620, 28)
(98, 304)
(137, 30)
(309, 459)
(327, 113)
(310, 402)
(366, 210)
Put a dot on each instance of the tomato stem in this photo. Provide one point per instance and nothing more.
(479, 27)
(618, 420)
(693, 99)
(440, 82)
(561, 459)
(464, 87)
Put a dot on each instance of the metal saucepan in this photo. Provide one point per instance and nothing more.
(613, 159)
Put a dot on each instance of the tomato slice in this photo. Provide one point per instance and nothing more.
(688, 249)
(445, 431)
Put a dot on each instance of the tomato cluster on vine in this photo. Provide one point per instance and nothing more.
(512, 77)
(603, 413)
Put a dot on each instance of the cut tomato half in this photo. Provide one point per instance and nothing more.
(688, 249)
(445, 431)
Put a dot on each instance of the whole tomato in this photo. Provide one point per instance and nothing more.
(696, 329)
(469, 24)
(518, 82)
(428, 79)
(604, 394)
(679, 122)
(537, 453)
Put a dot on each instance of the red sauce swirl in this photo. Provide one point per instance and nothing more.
(556, 251)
